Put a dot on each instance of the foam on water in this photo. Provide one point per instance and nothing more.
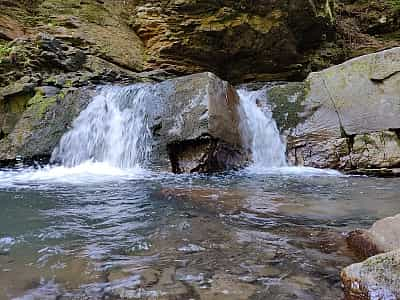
(86, 173)
(261, 135)
(111, 141)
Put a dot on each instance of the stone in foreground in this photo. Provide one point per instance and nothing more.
(383, 236)
(377, 278)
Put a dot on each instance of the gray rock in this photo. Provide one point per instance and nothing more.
(23, 86)
(376, 278)
(196, 122)
(345, 117)
(48, 91)
(40, 123)
(376, 150)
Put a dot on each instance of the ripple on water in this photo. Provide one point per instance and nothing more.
(144, 233)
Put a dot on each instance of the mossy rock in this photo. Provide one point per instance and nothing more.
(287, 104)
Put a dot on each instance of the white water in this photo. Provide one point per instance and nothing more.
(110, 140)
(112, 130)
(260, 132)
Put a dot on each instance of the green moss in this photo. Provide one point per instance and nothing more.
(69, 83)
(5, 51)
(395, 4)
(223, 20)
(288, 101)
(18, 103)
(40, 103)
(62, 94)
(368, 140)
(89, 11)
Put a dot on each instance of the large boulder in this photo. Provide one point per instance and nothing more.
(376, 278)
(345, 117)
(383, 236)
(195, 120)
(379, 276)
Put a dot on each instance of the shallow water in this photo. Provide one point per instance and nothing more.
(95, 231)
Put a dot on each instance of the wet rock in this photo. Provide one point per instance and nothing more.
(376, 278)
(344, 117)
(38, 122)
(383, 236)
(205, 155)
(195, 121)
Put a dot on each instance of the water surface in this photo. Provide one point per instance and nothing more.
(98, 231)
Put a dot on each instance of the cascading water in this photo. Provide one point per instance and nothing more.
(112, 129)
(260, 132)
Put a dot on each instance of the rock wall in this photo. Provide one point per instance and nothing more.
(344, 117)
(237, 40)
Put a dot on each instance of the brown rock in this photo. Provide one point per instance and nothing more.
(383, 236)
(238, 40)
(10, 29)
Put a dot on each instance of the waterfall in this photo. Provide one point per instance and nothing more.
(112, 129)
(260, 132)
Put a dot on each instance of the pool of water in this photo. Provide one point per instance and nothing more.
(96, 232)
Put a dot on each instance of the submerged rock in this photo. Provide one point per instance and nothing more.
(383, 236)
(376, 278)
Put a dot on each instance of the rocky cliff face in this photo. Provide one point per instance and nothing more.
(237, 40)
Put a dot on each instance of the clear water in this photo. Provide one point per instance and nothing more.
(104, 226)
(75, 233)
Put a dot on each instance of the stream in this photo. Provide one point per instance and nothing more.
(104, 224)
